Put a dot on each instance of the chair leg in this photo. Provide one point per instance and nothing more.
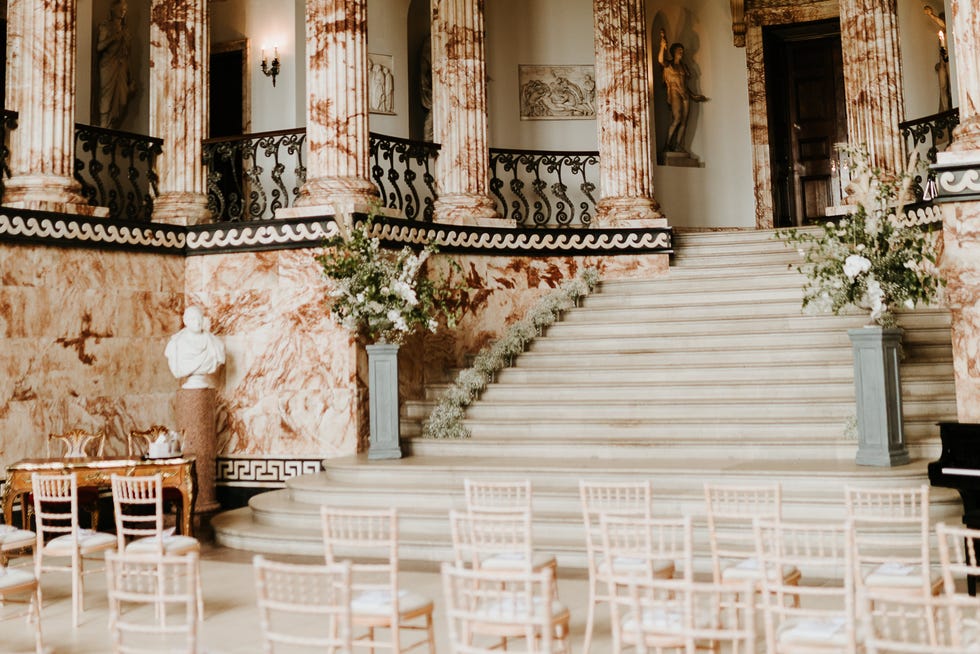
(590, 618)
(431, 632)
(76, 588)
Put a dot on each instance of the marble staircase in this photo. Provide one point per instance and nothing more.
(710, 373)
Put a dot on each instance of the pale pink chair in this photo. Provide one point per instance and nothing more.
(15, 584)
(59, 536)
(958, 556)
(919, 623)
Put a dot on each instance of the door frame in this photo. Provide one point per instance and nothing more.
(757, 18)
(244, 46)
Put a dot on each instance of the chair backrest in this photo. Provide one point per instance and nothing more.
(304, 605)
(646, 547)
(957, 554)
(481, 606)
(55, 505)
(478, 536)
(919, 623)
(611, 498)
(497, 495)
(731, 510)
(891, 527)
(168, 584)
(652, 611)
(823, 551)
(138, 442)
(369, 539)
(76, 443)
(138, 506)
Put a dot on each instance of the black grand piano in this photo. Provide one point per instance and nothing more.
(959, 467)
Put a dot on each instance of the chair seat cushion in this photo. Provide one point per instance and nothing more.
(659, 620)
(379, 602)
(512, 560)
(828, 632)
(88, 541)
(11, 579)
(172, 544)
(12, 538)
(748, 569)
(625, 565)
(897, 575)
(510, 607)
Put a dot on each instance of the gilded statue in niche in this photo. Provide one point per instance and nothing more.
(679, 96)
(116, 83)
(942, 66)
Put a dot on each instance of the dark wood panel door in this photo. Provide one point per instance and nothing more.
(807, 117)
(813, 68)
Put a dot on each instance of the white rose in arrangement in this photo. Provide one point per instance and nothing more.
(855, 264)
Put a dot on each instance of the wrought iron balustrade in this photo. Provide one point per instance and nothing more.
(928, 135)
(117, 170)
(252, 175)
(544, 189)
(396, 168)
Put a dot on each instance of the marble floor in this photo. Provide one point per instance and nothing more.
(231, 619)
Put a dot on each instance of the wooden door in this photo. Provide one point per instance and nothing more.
(807, 119)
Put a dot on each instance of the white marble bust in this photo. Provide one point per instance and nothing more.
(194, 352)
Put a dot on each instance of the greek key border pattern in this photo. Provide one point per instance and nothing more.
(270, 473)
(66, 230)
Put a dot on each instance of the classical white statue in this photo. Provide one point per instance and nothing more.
(194, 352)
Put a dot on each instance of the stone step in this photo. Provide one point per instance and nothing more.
(591, 451)
(778, 373)
(667, 389)
(756, 354)
(785, 296)
(690, 429)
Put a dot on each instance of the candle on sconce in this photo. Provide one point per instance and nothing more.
(942, 39)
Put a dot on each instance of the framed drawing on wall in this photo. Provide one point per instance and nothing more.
(381, 84)
(556, 92)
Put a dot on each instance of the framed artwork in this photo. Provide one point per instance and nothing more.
(381, 84)
(556, 92)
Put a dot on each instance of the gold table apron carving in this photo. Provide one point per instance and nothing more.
(96, 472)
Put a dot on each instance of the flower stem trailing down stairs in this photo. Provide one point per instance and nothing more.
(446, 419)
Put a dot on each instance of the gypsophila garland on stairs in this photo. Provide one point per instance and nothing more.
(446, 419)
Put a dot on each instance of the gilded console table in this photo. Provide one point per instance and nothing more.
(96, 472)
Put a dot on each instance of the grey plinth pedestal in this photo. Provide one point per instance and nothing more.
(878, 392)
(383, 400)
(196, 421)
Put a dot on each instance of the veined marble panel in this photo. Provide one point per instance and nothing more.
(82, 334)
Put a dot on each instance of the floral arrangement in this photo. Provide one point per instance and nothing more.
(379, 294)
(446, 419)
(874, 258)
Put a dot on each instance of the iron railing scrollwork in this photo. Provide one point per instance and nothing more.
(928, 135)
(117, 170)
(253, 175)
(396, 167)
(544, 189)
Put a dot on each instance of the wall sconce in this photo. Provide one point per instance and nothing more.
(271, 69)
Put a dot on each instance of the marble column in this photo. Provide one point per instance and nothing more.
(958, 181)
(873, 79)
(965, 39)
(40, 87)
(338, 173)
(459, 104)
(623, 115)
(179, 107)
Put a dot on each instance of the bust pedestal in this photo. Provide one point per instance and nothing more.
(195, 419)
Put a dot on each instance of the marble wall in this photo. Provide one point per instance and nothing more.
(82, 334)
